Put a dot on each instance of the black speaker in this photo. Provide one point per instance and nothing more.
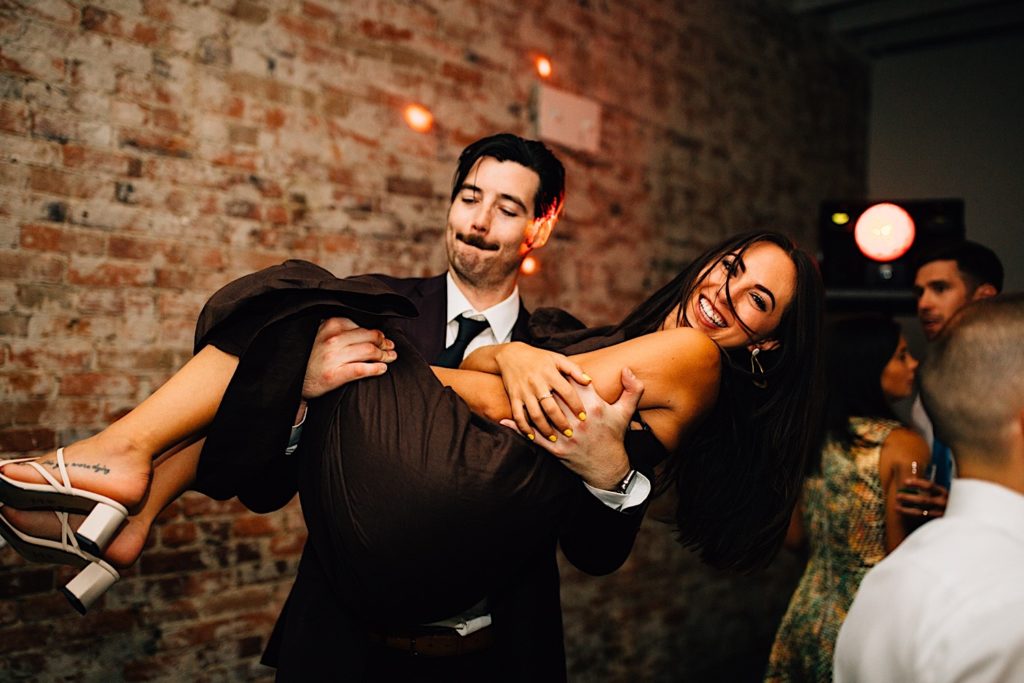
(854, 282)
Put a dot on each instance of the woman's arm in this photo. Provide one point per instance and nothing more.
(679, 369)
(530, 374)
(900, 450)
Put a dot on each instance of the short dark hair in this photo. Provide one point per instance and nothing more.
(972, 383)
(978, 264)
(532, 154)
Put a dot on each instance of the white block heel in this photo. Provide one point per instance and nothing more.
(98, 528)
(92, 582)
(61, 495)
(83, 590)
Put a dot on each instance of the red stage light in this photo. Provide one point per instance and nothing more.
(884, 232)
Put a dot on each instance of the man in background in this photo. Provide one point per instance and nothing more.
(947, 279)
(947, 604)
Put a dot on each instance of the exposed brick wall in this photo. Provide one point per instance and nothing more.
(152, 150)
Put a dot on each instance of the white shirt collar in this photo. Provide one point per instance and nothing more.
(501, 316)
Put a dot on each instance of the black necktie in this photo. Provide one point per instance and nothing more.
(451, 357)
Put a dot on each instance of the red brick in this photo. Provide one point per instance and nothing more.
(275, 118)
(254, 525)
(65, 241)
(170, 562)
(76, 156)
(25, 440)
(43, 268)
(58, 182)
(165, 145)
(110, 275)
(14, 117)
(376, 30)
(462, 74)
(22, 637)
(250, 11)
(287, 545)
(244, 160)
(25, 582)
(97, 384)
(177, 535)
(304, 29)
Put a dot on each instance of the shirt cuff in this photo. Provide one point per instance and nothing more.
(638, 491)
(293, 439)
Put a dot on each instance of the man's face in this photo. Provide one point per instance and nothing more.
(941, 291)
(488, 222)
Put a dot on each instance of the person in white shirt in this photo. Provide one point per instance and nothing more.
(946, 606)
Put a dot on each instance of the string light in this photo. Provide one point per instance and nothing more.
(543, 66)
(529, 266)
(419, 118)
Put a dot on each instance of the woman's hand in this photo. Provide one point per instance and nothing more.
(919, 500)
(533, 378)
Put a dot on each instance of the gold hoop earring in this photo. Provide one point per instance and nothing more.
(757, 370)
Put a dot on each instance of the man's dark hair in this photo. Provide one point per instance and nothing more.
(978, 265)
(532, 154)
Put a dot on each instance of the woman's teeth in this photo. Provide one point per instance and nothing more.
(710, 313)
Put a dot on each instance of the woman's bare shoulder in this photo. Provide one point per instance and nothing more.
(689, 345)
(905, 445)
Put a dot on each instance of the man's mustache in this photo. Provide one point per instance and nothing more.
(477, 241)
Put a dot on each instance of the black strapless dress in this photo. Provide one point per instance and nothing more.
(414, 504)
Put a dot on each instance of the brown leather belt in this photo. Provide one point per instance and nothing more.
(433, 642)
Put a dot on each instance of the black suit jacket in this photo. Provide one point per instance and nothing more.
(315, 640)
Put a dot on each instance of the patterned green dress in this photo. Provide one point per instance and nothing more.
(844, 519)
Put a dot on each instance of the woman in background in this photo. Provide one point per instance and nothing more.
(849, 509)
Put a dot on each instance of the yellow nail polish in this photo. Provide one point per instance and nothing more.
(568, 432)
(531, 437)
(552, 438)
(583, 416)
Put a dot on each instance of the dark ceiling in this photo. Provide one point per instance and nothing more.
(882, 27)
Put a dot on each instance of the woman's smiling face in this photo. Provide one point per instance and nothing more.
(761, 284)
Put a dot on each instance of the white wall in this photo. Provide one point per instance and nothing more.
(949, 122)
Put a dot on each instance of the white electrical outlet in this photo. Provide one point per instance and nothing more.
(568, 119)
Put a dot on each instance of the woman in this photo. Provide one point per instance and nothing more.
(849, 505)
(727, 352)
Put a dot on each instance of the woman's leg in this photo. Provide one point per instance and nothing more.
(173, 472)
(118, 461)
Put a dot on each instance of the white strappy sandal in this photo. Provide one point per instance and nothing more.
(88, 585)
(105, 515)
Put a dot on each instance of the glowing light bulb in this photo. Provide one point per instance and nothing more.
(543, 66)
(840, 218)
(419, 118)
(884, 232)
(529, 266)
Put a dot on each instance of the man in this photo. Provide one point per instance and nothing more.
(947, 279)
(946, 605)
(506, 198)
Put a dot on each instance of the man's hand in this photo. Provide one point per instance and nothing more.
(928, 502)
(595, 451)
(344, 352)
(540, 387)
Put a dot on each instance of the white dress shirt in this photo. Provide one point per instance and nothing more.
(948, 604)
